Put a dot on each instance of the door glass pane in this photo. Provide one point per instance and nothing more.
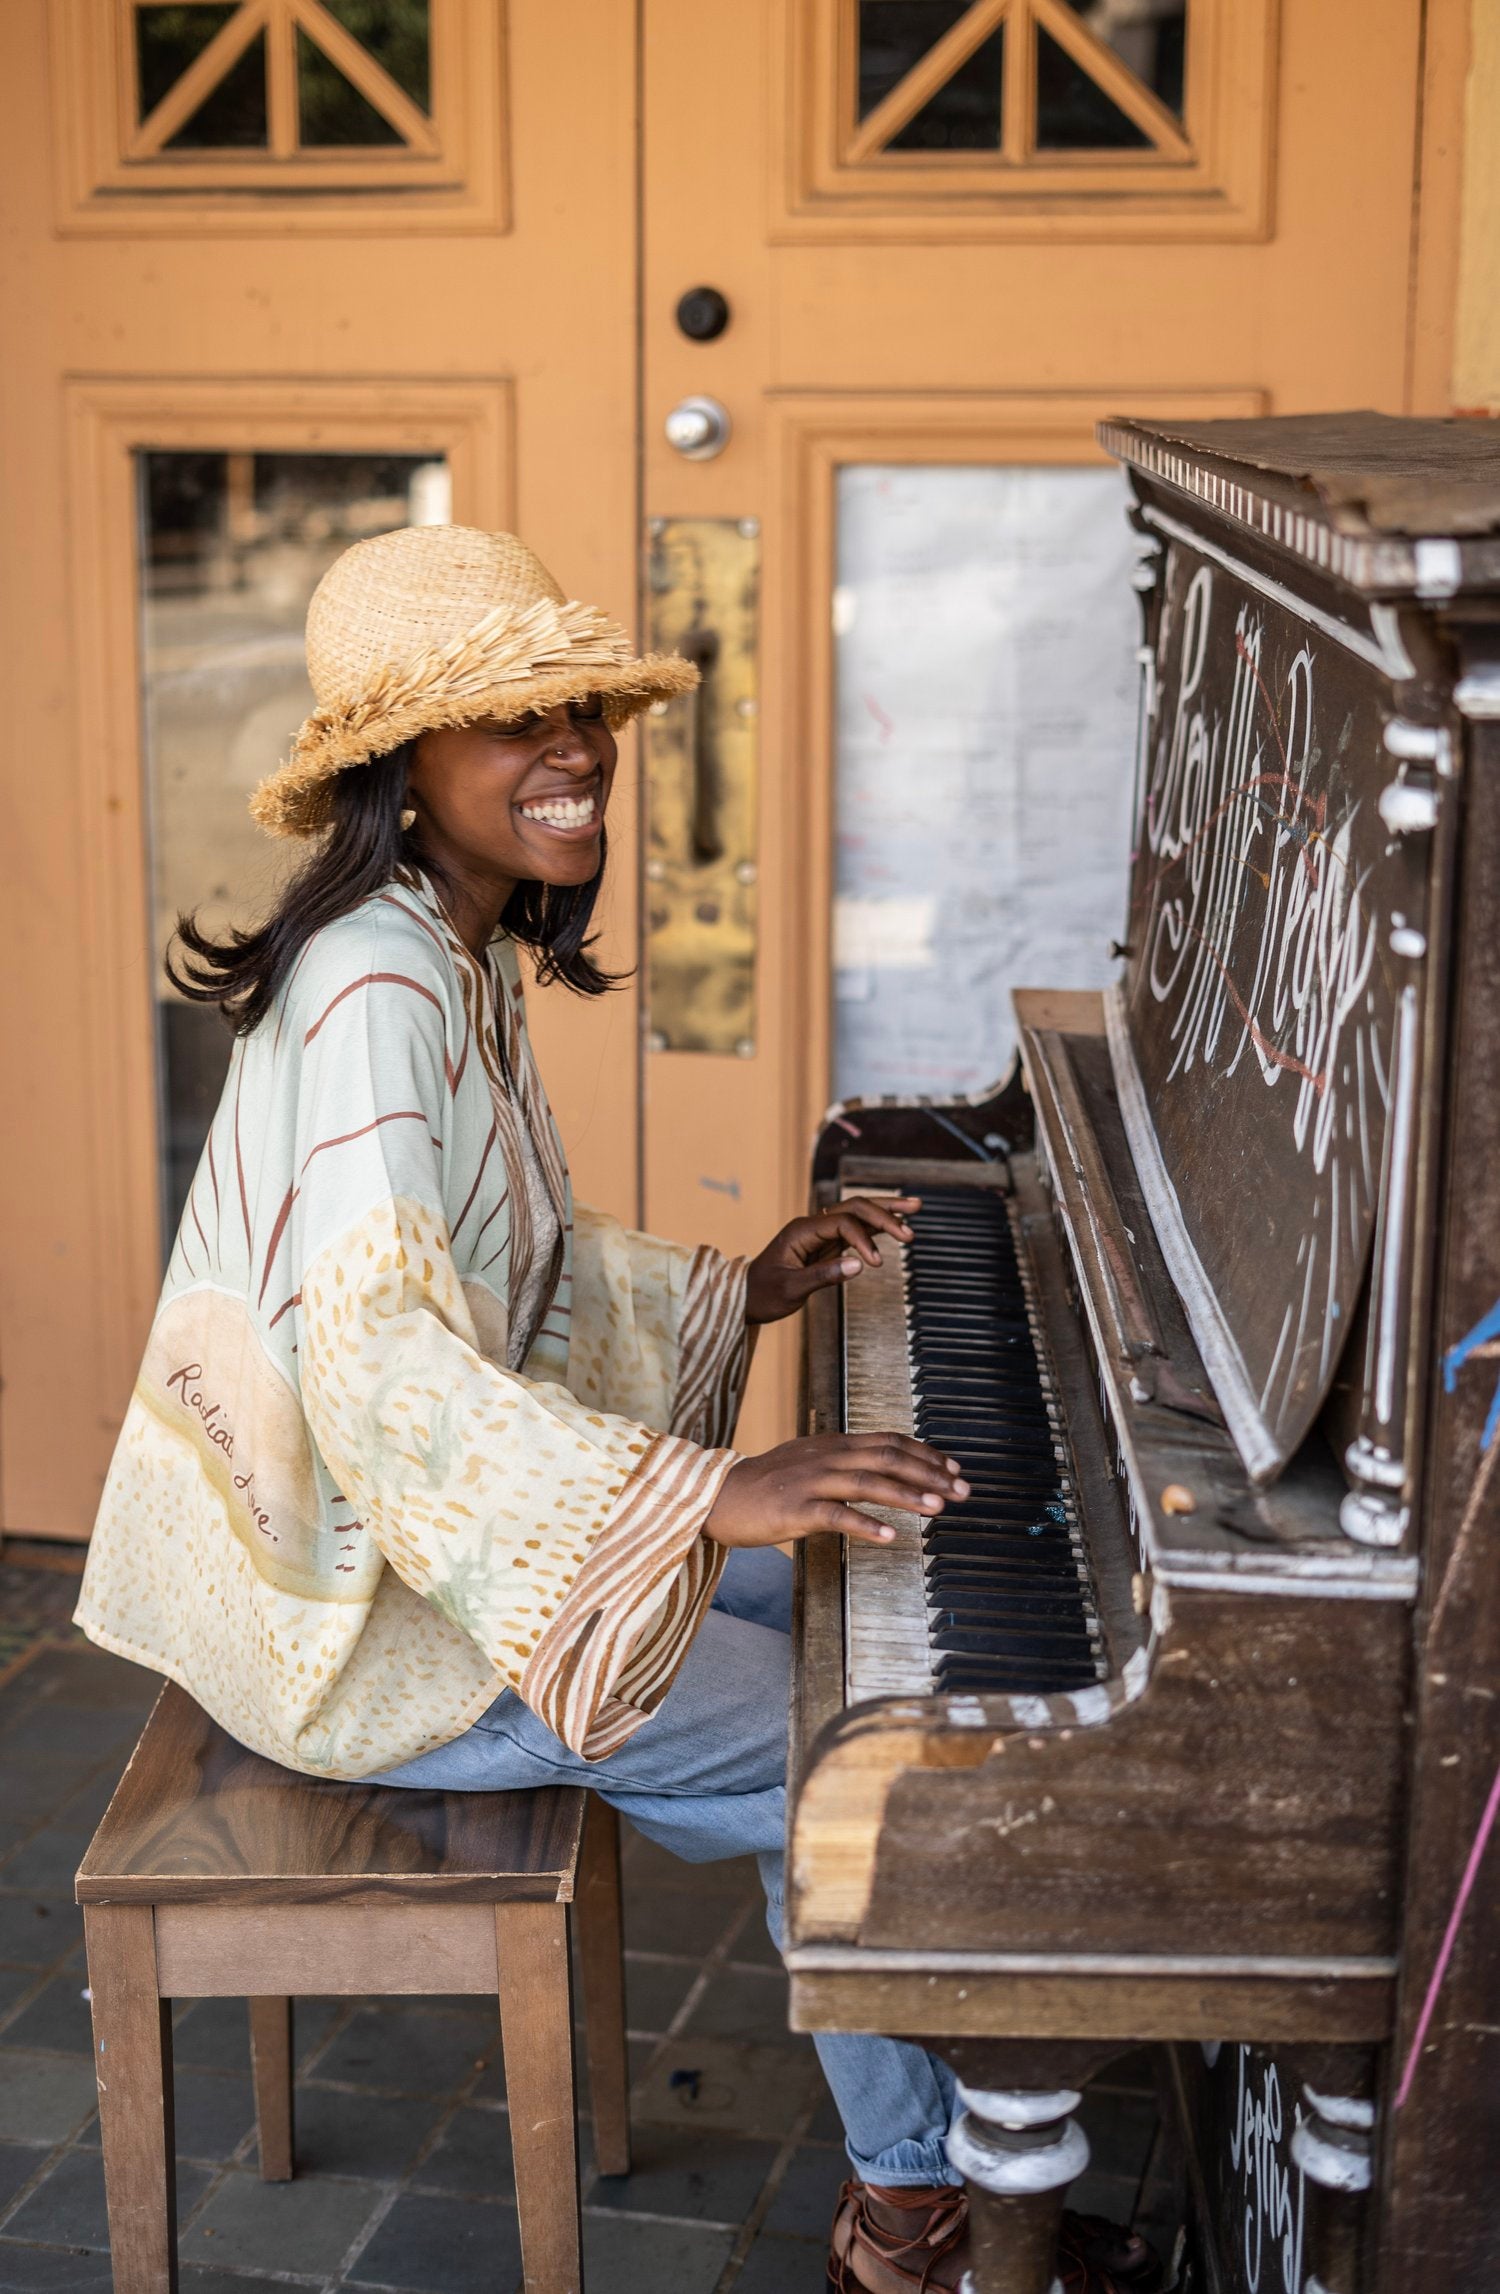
(167, 40)
(330, 109)
(397, 33)
(232, 548)
(1072, 111)
(1148, 36)
(233, 115)
(893, 36)
(985, 635)
(964, 115)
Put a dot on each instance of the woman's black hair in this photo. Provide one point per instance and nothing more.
(366, 847)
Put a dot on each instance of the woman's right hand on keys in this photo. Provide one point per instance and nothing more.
(822, 1481)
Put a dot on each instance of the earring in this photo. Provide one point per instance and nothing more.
(409, 817)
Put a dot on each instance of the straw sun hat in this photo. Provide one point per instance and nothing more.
(440, 625)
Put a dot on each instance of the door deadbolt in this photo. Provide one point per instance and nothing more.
(703, 314)
(698, 428)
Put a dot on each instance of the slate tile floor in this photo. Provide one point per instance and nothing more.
(404, 2179)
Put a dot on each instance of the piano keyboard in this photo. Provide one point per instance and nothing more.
(994, 1595)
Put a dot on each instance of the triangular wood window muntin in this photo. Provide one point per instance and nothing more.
(1161, 132)
(278, 24)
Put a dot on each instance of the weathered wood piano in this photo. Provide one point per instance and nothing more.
(1185, 1728)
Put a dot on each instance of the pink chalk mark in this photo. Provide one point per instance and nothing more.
(887, 724)
(1450, 1936)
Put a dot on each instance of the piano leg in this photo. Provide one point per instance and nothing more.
(1332, 2146)
(1017, 2150)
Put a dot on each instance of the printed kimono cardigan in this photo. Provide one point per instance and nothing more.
(334, 1514)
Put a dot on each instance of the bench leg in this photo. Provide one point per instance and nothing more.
(133, 2066)
(536, 2035)
(271, 2070)
(601, 1943)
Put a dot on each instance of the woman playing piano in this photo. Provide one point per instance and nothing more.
(426, 1477)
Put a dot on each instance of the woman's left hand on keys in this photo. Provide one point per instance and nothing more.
(831, 1246)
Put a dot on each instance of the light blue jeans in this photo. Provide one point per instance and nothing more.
(706, 1777)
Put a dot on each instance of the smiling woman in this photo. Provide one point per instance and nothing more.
(498, 806)
(426, 1474)
(465, 706)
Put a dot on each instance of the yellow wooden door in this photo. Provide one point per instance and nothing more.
(276, 273)
(950, 237)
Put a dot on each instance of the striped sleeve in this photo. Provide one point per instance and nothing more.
(612, 1650)
(713, 1349)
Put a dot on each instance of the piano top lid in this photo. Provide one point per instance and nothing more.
(1392, 504)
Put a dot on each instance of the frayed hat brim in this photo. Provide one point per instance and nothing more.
(295, 800)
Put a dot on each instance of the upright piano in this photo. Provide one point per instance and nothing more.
(1185, 1727)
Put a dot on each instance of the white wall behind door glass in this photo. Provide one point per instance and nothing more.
(985, 635)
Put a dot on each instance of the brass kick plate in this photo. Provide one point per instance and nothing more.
(701, 756)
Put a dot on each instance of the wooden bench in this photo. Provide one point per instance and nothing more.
(217, 1874)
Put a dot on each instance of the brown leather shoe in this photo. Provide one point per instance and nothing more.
(898, 2241)
(917, 2241)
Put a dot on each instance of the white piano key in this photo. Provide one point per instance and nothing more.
(885, 1610)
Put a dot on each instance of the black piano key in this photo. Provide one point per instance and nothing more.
(968, 1368)
(1011, 1424)
(1023, 1505)
(1004, 1432)
(1033, 1676)
(1032, 1500)
(1034, 1628)
(1018, 1537)
(1046, 1613)
(978, 1386)
(983, 1541)
(1045, 1571)
(1004, 1392)
(978, 1676)
(974, 1293)
(962, 1272)
(1006, 1353)
(1027, 1413)
(988, 1548)
(978, 1547)
(1030, 1460)
(1013, 1451)
(1007, 1605)
(1023, 1530)
(944, 1311)
(986, 1602)
(936, 1363)
(1021, 1559)
(944, 1534)
(1036, 1650)
(1028, 1513)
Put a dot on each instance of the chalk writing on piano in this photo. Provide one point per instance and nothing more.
(1268, 2185)
(1263, 983)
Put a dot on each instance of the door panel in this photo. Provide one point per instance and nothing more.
(935, 302)
(243, 309)
(928, 284)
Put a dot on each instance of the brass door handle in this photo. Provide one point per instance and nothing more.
(701, 757)
(701, 647)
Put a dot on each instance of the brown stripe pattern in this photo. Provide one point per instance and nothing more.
(611, 1652)
(713, 1350)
